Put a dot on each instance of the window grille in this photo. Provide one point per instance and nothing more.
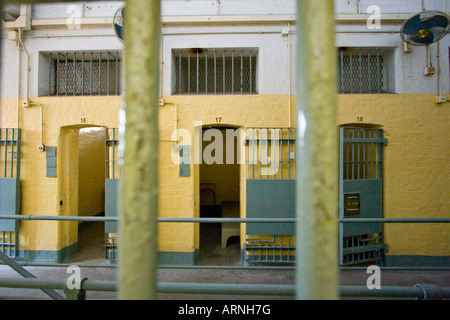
(84, 73)
(215, 71)
(363, 71)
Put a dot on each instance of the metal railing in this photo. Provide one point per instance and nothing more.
(226, 220)
(420, 291)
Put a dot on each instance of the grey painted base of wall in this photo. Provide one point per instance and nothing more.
(190, 258)
(178, 258)
(47, 256)
(417, 261)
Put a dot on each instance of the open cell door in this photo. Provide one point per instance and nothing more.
(361, 194)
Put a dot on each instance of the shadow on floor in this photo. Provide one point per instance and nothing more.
(211, 251)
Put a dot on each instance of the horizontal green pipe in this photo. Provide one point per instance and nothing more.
(383, 292)
(227, 220)
(60, 218)
(226, 289)
(394, 220)
(31, 283)
(245, 268)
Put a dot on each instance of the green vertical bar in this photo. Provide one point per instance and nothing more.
(113, 152)
(317, 141)
(341, 193)
(139, 183)
(106, 154)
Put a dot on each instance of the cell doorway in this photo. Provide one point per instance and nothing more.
(220, 193)
(81, 176)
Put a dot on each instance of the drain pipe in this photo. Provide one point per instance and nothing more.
(440, 98)
(26, 103)
(23, 22)
(317, 153)
(139, 183)
(289, 72)
(19, 83)
(439, 66)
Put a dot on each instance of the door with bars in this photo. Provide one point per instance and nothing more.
(361, 194)
(111, 189)
(10, 139)
(270, 193)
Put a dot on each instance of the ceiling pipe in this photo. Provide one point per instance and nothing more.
(198, 20)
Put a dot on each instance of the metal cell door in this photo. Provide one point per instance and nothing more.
(111, 189)
(270, 193)
(361, 194)
(9, 189)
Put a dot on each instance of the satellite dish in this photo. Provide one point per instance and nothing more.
(118, 23)
(425, 28)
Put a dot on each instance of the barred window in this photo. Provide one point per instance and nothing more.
(364, 70)
(215, 71)
(81, 73)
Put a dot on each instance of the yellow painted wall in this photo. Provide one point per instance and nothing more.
(416, 159)
(42, 195)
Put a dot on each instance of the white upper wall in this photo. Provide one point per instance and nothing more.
(235, 7)
(273, 53)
